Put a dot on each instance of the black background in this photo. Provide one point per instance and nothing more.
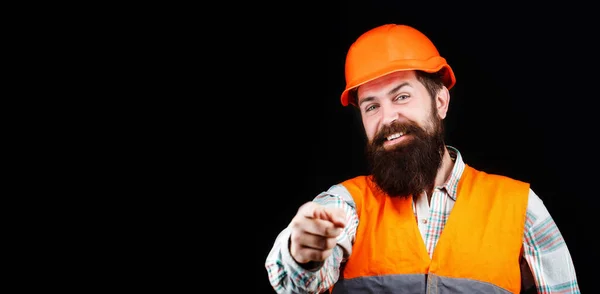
(524, 105)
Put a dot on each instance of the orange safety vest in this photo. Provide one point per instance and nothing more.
(478, 251)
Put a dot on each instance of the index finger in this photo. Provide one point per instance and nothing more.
(333, 214)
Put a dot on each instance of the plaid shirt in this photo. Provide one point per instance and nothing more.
(545, 253)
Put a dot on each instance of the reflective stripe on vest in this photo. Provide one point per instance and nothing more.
(478, 250)
(415, 283)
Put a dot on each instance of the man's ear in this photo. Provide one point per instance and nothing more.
(441, 102)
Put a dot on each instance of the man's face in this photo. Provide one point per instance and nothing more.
(404, 128)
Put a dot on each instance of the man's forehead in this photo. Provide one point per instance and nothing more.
(389, 79)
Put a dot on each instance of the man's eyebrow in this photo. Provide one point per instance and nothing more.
(391, 92)
(397, 88)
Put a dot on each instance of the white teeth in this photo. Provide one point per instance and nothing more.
(395, 136)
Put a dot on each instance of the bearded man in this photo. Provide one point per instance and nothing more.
(422, 221)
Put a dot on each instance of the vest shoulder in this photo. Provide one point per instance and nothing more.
(359, 187)
(480, 175)
(360, 180)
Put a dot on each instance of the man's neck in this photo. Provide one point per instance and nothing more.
(445, 169)
(442, 175)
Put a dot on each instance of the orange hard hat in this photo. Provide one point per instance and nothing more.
(389, 48)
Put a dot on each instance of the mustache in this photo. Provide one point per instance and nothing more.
(396, 127)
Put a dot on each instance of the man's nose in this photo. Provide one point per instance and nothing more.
(390, 115)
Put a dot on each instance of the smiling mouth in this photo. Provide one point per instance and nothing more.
(394, 139)
(394, 136)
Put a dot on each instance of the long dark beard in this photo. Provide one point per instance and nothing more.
(409, 168)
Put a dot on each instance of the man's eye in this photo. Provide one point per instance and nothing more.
(370, 107)
(401, 97)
